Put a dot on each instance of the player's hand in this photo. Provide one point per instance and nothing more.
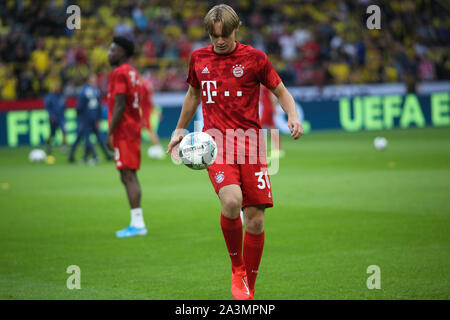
(176, 139)
(295, 127)
(109, 141)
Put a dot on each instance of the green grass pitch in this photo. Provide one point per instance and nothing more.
(340, 206)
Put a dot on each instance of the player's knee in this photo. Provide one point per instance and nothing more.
(232, 203)
(126, 177)
(254, 221)
(255, 225)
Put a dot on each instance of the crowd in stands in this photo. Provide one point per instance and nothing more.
(309, 42)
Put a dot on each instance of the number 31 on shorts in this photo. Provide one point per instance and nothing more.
(263, 180)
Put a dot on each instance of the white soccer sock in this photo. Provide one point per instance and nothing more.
(137, 218)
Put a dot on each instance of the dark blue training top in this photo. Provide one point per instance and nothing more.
(55, 104)
(89, 106)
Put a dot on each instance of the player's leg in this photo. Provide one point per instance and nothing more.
(80, 135)
(132, 187)
(154, 137)
(137, 225)
(253, 242)
(61, 124)
(89, 146)
(231, 200)
(230, 221)
(157, 150)
(256, 188)
(225, 179)
(127, 157)
(53, 127)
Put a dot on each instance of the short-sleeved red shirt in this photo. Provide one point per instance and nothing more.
(124, 80)
(229, 86)
(146, 101)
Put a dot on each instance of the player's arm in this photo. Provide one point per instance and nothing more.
(190, 105)
(288, 105)
(273, 101)
(119, 108)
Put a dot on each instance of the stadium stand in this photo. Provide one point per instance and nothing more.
(309, 42)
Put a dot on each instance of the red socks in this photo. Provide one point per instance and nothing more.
(232, 232)
(253, 248)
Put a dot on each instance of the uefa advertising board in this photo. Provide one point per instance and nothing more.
(26, 123)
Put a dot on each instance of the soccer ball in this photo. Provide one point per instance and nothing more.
(155, 152)
(380, 143)
(198, 150)
(37, 155)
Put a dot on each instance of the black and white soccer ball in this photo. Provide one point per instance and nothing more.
(198, 150)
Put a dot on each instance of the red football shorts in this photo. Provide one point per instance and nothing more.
(127, 154)
(253, 179)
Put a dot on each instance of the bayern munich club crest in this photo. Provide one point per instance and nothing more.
(220, 177)
(238, 70)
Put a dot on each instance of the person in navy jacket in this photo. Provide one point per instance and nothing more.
(89, 115)
(55, 104)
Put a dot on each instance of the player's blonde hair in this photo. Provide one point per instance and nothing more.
(225, 14)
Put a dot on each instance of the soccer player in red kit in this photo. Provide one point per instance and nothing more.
(225, 77)
(124, 134)
(147, 104)
(268, 103)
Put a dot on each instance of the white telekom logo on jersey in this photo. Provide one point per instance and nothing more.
(212, 92)
(208, 90)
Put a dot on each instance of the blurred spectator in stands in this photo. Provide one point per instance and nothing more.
(310, 40)
(288, 46)
(25, 84)
(40, 58)
(98, 57)
(124, 28)
(8, 87)
(139, 18)
(425, 68)
(80, 55)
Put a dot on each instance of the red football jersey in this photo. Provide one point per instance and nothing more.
(230, 87)
(146, 101)
(266, 115)
(124, 80)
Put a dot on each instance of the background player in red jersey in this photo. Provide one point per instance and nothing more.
(226, 77)
(124, 134)
(147, 105)
(268, 109)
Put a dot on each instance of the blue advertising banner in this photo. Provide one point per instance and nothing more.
(352, 114)
(379, 112)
